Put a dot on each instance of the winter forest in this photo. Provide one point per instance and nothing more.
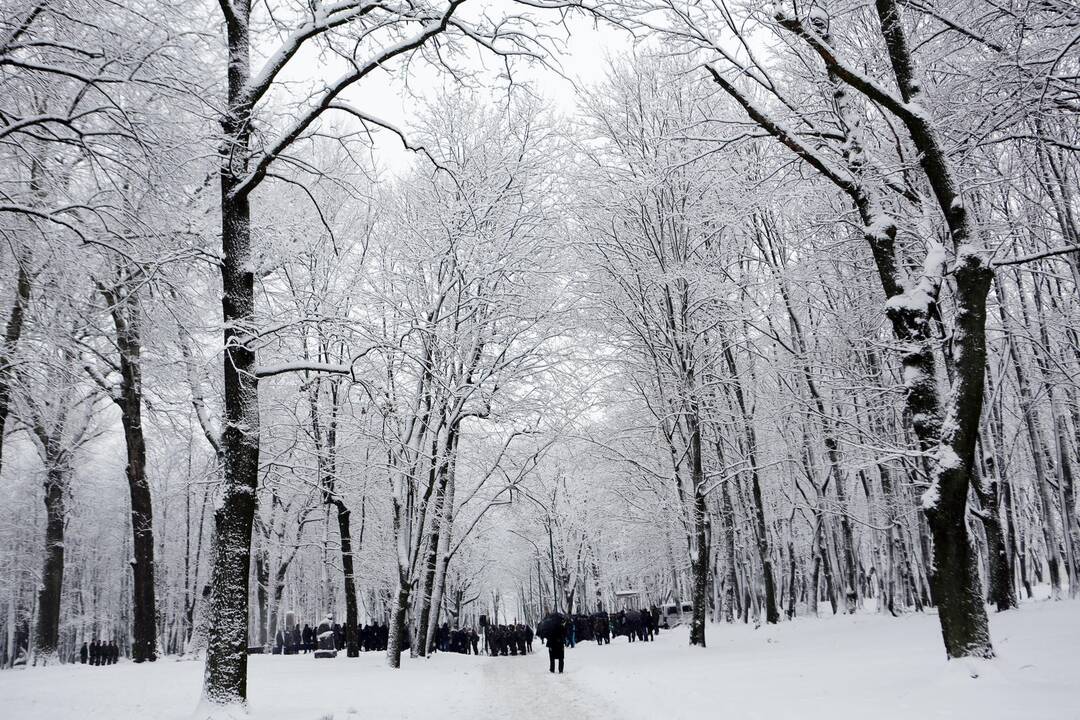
(748, 331)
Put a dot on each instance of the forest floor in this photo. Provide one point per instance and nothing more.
(840, 667)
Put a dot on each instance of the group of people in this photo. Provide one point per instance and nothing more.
(558, 631)
(297, 640)
(601, 627)
(509, 639)
(292, 641)
(99, 653)
(465, 641)
(641, 624)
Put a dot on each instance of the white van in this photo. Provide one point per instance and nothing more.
(672, 614)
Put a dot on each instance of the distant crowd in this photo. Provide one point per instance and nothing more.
(636, 625)
(298, 640)
(509, 639)
(600, 627)
(499, 640)
(465, 641)
(99, 653)
(559, 631)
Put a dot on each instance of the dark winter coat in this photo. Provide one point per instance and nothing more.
(555, 634)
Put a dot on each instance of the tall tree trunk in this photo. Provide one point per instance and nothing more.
(1000, 569)
(438, 480)
(957, 588)
(47, 628)
(396, 639)
(225, 681)
(772, 612)
(727, 519)
(768, 244)
(1063, 465)
(12, 333)
(352, 639)
(444, 552)
(429, 566)
(961, 611)
(949, 430)
(1002, 497)
(702, 550)
(262, 591)
(1038, 446)
(125, 309)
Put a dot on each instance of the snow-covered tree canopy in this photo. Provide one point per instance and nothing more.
(415, 313)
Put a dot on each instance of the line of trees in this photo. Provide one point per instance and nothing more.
(782, 314)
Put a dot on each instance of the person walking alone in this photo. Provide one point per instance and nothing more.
(556, 643)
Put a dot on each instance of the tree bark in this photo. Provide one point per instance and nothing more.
(125, 310)
(772, 612)
(1000, 569)
(12, 334)
(47, 627)
(225, 680)
(950, 434)
(1037, 443)
(703, 552)
(352, 640)
(444, 552)
(957, 588)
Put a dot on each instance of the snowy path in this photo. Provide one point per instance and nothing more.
(522, 687)
(839, 668)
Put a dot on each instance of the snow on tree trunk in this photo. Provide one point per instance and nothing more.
(444, 553)
(12, 334)
(126, 313)
(352, 640)
(702, 532)
(225, 680)
(47, 627)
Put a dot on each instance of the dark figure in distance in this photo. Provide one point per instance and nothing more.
(279, 642)
(84, 652)
(556, 642)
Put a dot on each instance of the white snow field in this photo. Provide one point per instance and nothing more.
(862, 666)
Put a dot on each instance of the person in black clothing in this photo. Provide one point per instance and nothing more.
(556, 644)
(442, 637)
(94, 649)
(114, 652)
(307, 636)
(84, 652)
(601, 628)
(521, 642)
(474, 638)
(279, 642)
(294, 639)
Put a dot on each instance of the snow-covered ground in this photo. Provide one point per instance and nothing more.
(864, 666)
